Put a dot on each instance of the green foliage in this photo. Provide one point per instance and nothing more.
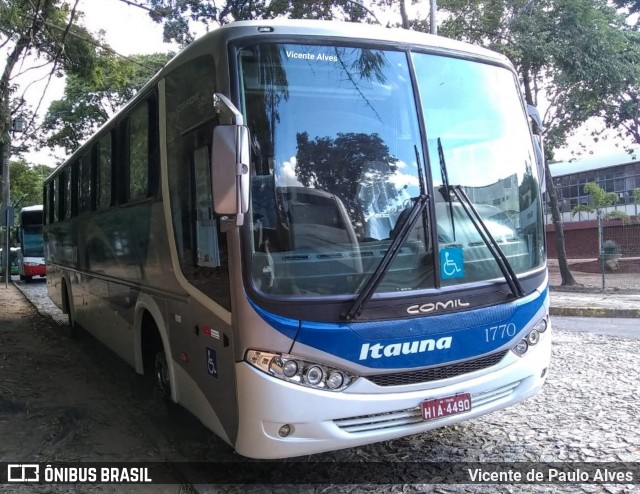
(26, 183)
(352, 156)
(576, 54)
(610, 248)
(47, 30)
(88, 103)
(176, 15)
(599, 199)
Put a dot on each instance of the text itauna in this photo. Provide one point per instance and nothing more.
(404, 348)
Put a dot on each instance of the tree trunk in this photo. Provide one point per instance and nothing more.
(567, 278)
(403, 15)
(565, 273)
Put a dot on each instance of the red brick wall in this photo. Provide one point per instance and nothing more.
(581, 238)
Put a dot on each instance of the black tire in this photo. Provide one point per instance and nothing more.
(161, 379)
(72, 330)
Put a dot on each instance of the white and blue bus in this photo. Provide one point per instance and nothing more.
(314, 235)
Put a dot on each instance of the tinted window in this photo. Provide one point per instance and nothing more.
(139, 152)
(201, 246)
(103, 174)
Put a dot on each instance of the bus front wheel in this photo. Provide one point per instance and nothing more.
(162, 382)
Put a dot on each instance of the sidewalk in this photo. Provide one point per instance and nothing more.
(587, 298)
(594, 304)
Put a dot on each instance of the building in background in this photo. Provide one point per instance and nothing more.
(619, 173)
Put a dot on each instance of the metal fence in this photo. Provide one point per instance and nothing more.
(605, 256)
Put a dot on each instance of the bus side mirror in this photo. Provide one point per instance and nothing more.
(538, 142)
(230, 171)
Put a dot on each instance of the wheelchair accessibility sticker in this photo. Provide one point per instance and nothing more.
(451, 263)
(212, 363)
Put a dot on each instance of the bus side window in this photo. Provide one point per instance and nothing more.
(84, 184)
(73, 191)
(201, 246)
(103, 173)
(45, 202)
(208, 252)
(138, 146)
(53, 200)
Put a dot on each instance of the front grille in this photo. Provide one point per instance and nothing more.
(437, 373)
(412, 417)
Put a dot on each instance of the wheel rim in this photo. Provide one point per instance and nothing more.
(163, 384)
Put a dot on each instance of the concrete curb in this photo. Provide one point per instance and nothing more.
(58, 317)
(594, 312)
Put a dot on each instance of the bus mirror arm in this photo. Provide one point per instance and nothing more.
(230, 161)
(538, 130)
(224, 108)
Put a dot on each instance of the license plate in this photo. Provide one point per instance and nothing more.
(443, 407)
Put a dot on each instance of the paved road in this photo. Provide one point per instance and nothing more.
(627, 328)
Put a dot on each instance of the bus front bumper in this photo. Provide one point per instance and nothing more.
(33, 269)
(321, 421)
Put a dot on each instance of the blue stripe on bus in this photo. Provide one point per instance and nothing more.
(285, 325)
(417, 342)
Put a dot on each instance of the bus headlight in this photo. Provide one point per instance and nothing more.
(290, 368)
(531, 339)
(298, 371)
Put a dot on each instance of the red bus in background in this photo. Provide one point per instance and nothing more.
(31, 254)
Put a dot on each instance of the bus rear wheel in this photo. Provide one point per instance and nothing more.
(162, 382)
(73, 325)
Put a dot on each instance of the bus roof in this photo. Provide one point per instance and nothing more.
(27, 209)
(351, 31)
(336, 30)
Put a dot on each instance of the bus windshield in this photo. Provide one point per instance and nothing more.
(32, 243)
(337, 164)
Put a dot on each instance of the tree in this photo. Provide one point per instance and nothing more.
(26, 183)
(48, 31)
(88, 103)
(177, 15)
(636, 199)
(599, 200)
(352, 156)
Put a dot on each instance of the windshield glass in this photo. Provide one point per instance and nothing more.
(337, 166)
(32, 243)
(474, 110)
(334, 134)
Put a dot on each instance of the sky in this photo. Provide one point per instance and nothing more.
(129, 30)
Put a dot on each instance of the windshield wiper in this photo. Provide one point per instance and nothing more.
(479, 224)
(445, 190)
(367, 291)
(489, 240)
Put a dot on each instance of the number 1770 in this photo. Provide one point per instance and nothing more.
(499, 332)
